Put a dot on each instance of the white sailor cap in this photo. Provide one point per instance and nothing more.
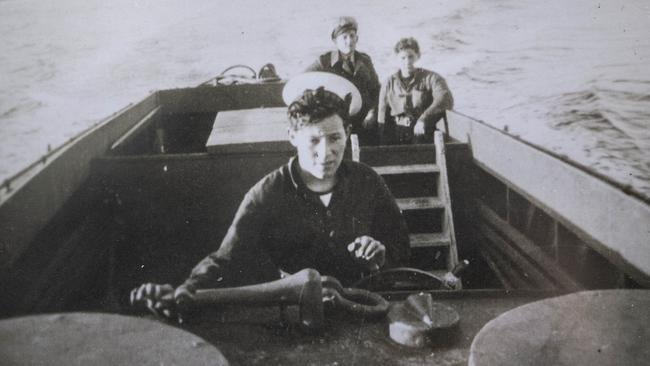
(330, 82)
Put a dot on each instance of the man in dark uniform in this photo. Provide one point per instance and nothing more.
(357, 67)
(318, 211)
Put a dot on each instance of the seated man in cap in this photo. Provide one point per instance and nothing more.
(357, 67)
(317, 211)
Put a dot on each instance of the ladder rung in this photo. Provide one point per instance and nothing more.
(406, 169)
(419, 203)
(429, 240)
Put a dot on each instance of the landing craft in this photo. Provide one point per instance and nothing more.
(145, 194)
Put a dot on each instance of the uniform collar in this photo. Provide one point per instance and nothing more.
(297, 182)
(336, 56)
(292, 168)
(412, 81)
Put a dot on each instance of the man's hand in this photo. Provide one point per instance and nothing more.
(162, 300)
(184, 296)
(451, 281)
(157, 298)
(418, 129)
(368, 252)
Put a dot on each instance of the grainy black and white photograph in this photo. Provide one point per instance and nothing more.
(354, 182)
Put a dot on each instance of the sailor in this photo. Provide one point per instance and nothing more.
(412, 100)
(357, 67)
(317, 211)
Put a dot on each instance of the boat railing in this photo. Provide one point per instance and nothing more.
(561, 203)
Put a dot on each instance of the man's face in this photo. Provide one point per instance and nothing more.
(406, 59)
(346, 42)
(320, 146)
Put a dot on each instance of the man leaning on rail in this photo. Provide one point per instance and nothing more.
(318, 211)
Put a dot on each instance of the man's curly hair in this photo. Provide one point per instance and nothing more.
(407, 44)
(315, 105)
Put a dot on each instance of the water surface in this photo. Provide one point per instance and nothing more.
(571, 77)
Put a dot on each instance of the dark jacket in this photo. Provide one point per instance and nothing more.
(364, 76)
(282, 223)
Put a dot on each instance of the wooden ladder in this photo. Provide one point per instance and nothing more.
(417, 177)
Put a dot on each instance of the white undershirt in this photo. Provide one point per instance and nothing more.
(325, 198)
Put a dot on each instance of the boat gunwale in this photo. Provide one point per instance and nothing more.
(40, 162)
(611, 251)
(7, 182)
(29, 199)
(624, 188)
(37, 167)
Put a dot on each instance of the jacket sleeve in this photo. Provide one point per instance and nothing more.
(389, 227)
(442, 100)
(383, 106)
(239, 250)
(317, 65)
(373, 84)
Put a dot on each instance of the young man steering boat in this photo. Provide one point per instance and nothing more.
(318, 211)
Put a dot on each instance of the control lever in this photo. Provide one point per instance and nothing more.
(451, 279)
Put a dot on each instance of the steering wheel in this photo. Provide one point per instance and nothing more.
(401, 278)
(228, 77)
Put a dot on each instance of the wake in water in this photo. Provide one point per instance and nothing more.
(568, 77)
(571, 77)
(611, 126)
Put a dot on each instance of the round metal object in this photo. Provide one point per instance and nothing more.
(418, 321)
(610, 327)
(100, 339)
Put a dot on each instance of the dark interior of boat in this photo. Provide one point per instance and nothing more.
(159, 202)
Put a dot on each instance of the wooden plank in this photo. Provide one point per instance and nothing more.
(222, 98)
(136, 130)
(259, 148)
(528, 268)
(508, 271)
(611, 221)
(419, 203)
(241, 130)
(426, 240)
(397, 154)
(497, 271)
(40, 192)
(406, 169)
(445, 196)
(529, 249)
(257, 117)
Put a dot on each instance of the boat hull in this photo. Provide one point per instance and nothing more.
(139, 198)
